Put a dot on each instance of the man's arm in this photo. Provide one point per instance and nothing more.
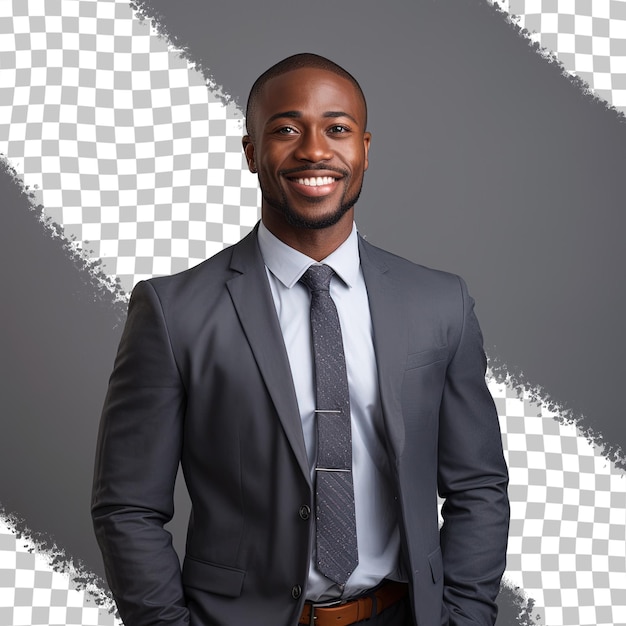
(139, 448)
(473, 481)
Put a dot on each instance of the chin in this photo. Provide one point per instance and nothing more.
(317, 217)
(314, 216)
(314, 222)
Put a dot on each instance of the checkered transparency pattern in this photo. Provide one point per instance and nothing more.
(587, 36)
(132, 153)
(31, 592)
(567, 542)
(140, 162)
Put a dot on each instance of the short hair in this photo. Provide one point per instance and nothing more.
(296, 62)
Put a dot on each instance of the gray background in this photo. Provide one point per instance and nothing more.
(485, 161)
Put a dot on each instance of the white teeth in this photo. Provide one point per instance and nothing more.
(315, 182)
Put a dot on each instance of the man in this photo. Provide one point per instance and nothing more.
(224, 368)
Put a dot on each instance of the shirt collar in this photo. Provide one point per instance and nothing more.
(288, 264)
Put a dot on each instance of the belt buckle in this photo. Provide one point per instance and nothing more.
(329, 603)
(323, 605)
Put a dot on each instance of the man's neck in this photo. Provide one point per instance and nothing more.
(316, 243)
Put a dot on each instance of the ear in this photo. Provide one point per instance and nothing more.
(248, 150)
(367, 138)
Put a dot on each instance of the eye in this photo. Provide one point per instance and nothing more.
(338, 129)
(286, 130)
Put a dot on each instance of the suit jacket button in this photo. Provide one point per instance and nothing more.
(296, 592)
(305, 511)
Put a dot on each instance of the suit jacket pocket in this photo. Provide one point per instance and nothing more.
(426, 357)
(422, 386)
(205, 576)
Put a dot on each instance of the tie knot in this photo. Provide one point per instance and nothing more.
(317, 277)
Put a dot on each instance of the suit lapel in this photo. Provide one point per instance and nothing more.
(386, 298)
(252, 299)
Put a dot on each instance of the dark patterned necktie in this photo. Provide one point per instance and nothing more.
(337, 554)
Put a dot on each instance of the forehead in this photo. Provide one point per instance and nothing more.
(309, 91)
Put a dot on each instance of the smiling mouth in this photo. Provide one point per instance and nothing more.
(316, 181)
(314, 187)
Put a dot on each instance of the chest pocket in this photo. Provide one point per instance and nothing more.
(422, 387)
(426, 357)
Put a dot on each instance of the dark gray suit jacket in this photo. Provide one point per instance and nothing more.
(202, 378)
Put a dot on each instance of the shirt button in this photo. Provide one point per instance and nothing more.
(305, 511)
(296, 592)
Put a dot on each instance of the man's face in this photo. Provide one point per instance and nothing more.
(309, 148)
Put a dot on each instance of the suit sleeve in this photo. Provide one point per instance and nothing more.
(137, 458)
(473, 480)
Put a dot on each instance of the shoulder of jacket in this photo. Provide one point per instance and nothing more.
(396, 263)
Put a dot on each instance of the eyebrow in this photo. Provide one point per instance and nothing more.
(339, 114)
(298, 114)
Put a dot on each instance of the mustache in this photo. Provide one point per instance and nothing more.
(310, 168)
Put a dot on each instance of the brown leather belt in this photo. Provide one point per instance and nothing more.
(357, 610)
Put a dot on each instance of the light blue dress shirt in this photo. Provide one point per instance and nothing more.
(378, 536)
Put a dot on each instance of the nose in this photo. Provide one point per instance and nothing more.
(313, 147)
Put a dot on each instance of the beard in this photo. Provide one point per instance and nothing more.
(296, 220)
